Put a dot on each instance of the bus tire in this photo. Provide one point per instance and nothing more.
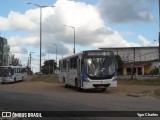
(63, 80)
(66, 86)
(14, 79)
(77, 85)
(2, 83)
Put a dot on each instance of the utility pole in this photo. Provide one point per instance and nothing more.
(132, 65)
(159, 38)
(28, 62)
(30, 58)
(40, 7)
(56, 58)
(55, 69)
(74, 36)
(48, 63)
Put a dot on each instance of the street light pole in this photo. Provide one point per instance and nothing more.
(30, 60)
(159, 37)
(74, 36)
(40, 39)
(40, 30)
(74, 39)
(56, 57)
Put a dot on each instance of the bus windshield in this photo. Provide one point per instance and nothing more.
(4, 71)
(99, 68)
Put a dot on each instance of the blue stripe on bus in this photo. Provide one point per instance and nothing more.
(83, 74)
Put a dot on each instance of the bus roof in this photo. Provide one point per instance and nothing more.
(12, 66)
(82, 52)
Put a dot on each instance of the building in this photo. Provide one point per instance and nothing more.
(4, 52)
(141, 59)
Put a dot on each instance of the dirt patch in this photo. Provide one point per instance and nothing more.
(32, 86)
(53, 87)
(135, 90)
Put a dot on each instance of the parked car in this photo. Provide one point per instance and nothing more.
(38, 73)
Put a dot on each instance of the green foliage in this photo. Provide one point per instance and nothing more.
(154, 71)
(154, 82)
(120, 64)
(157, 92)
(29, 70)
(14, 61)
(47, 68)
(45, 78)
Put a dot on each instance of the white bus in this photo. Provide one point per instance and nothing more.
(12, 73)
(93, 69)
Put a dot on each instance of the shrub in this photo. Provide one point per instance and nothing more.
(154, 71)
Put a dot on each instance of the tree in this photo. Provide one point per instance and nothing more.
(120, 64)
(154, 71)
(14, 61)
(29, 71)
(47, 68)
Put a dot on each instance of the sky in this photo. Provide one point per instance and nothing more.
(97, 23)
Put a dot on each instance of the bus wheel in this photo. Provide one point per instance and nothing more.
(2, 82)
(103, 89)
(66, 86)
(77, 85)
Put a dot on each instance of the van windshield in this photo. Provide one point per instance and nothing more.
(100, 68)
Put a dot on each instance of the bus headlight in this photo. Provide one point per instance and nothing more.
(114, 79)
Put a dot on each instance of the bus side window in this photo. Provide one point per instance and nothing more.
(73, 62)
(64, 65)
(60, 66)
(15, 70)
(12, 71)
(22, 71)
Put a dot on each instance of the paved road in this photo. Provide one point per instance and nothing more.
(71, 100)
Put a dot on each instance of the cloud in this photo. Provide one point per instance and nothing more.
(18, 49)
(144, 41)
(89, 21)
(18, 21)
(90, 29)
(22, 40)
(113, 40)
(126, 11)
(61, 48)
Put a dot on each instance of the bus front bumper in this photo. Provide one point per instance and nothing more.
(97, 84)
(6, 80)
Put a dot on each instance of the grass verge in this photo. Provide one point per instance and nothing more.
(155, 82)
(157, 92)
(45, 78)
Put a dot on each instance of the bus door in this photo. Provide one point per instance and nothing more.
(79, 72)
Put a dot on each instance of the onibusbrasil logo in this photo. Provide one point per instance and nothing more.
(19, 114)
